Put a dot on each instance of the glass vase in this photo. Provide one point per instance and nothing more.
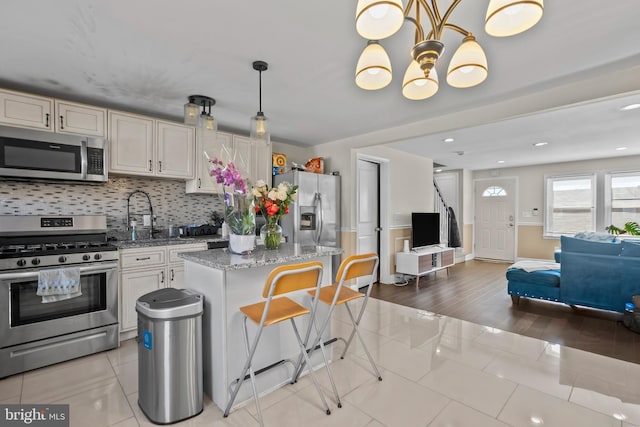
(240, 216)
(271, 234)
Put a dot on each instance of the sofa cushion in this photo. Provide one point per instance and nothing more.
(571, 244)
(549, 278)
(630, 248)
(595, 236)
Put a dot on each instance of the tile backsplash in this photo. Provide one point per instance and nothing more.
(168, 199)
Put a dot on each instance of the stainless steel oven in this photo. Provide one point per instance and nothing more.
(35, 334)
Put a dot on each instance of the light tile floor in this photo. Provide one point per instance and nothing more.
(438, 371)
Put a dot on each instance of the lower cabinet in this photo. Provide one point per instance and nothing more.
(143, 270)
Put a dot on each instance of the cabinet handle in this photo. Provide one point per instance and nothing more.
(162, 274)
(47, 120)
(160, 166)
(172, 275)
(199, 183)
(61, 122)
(143, 258)
(150, 166)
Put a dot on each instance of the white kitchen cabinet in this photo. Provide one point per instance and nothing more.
(175, 268)
(136, 283)
(252, 158)
(80, 119)
(43, 113)
(143, 270)
(26, 111)
(143, 146)
(175, 150)
(215, 147)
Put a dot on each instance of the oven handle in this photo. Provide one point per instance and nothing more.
(104, 267)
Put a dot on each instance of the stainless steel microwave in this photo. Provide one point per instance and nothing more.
(36, 154)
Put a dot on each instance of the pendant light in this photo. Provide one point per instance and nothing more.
(204, 120)
(258, 125)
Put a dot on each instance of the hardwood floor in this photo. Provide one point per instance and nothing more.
(476, 291)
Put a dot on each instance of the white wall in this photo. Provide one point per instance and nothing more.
(296, 154)
(531, 180)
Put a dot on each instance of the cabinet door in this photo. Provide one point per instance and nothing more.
(27, 111)
(131, 144)
(175, 150)
(135, 284)
(176, 276)
(79, 118)
(220, 147)
(261, 162)
(241, 157)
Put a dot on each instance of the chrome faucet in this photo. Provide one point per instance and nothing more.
(150, 210)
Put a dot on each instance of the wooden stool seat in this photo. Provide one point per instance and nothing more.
(328, 293)
(281, 309)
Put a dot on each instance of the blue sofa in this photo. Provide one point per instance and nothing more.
(603, 275)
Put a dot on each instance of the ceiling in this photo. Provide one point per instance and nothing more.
(562, 82)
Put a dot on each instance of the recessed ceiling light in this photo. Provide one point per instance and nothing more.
(448, 140)
(438, 170)
(500, 161)
(536, 421)
(540, 144)
(620, 148)
(630, 107)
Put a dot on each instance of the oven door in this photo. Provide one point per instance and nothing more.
(28, 319)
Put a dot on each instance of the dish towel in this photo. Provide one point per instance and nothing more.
(58, 284)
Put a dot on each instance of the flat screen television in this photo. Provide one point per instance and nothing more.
(425, 229)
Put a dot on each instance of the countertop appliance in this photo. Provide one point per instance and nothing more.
(314, 217)
(32, 154)
(35, 334)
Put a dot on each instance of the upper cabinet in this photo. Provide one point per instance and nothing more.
(252, 159)
(140, 145)
(215, 145)
(80, 118)
(48, 114)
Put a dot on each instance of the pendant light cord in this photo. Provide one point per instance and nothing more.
(260, 91)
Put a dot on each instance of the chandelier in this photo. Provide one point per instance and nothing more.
(379, 19)
(204, 120)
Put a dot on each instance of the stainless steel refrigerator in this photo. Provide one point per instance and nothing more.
(314, 217)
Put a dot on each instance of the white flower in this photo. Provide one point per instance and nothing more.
(256, 192)
(283, 187)
(273, 194)
(260, 184)
(282, 195)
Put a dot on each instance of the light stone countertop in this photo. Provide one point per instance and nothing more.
(222, 259)
(148, 243)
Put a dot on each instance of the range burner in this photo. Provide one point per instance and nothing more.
(43, 241)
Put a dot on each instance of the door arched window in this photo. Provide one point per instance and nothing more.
(494, 191)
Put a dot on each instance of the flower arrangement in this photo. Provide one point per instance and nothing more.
(274, 204)
(239, 211)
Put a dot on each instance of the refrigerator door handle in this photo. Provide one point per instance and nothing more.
(318, 203)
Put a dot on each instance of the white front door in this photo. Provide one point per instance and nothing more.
(495, 219)
(368, 207)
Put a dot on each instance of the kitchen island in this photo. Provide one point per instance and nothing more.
(229, 282)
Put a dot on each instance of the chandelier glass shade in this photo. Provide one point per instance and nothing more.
(202, 119)
(259, 131)
(379, 19)
(374, 67)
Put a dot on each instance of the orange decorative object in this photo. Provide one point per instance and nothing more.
(315, 165)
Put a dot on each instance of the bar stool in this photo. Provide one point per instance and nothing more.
(281, 280)
(353, 267)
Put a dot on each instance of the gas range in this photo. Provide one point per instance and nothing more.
(44, 241)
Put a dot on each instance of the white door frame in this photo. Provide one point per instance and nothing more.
(384, 202)
(516, 203)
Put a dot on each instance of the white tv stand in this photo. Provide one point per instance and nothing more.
(424, 260)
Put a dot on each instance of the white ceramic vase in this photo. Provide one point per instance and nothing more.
(242, 244)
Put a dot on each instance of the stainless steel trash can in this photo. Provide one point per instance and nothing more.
(170, 354)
